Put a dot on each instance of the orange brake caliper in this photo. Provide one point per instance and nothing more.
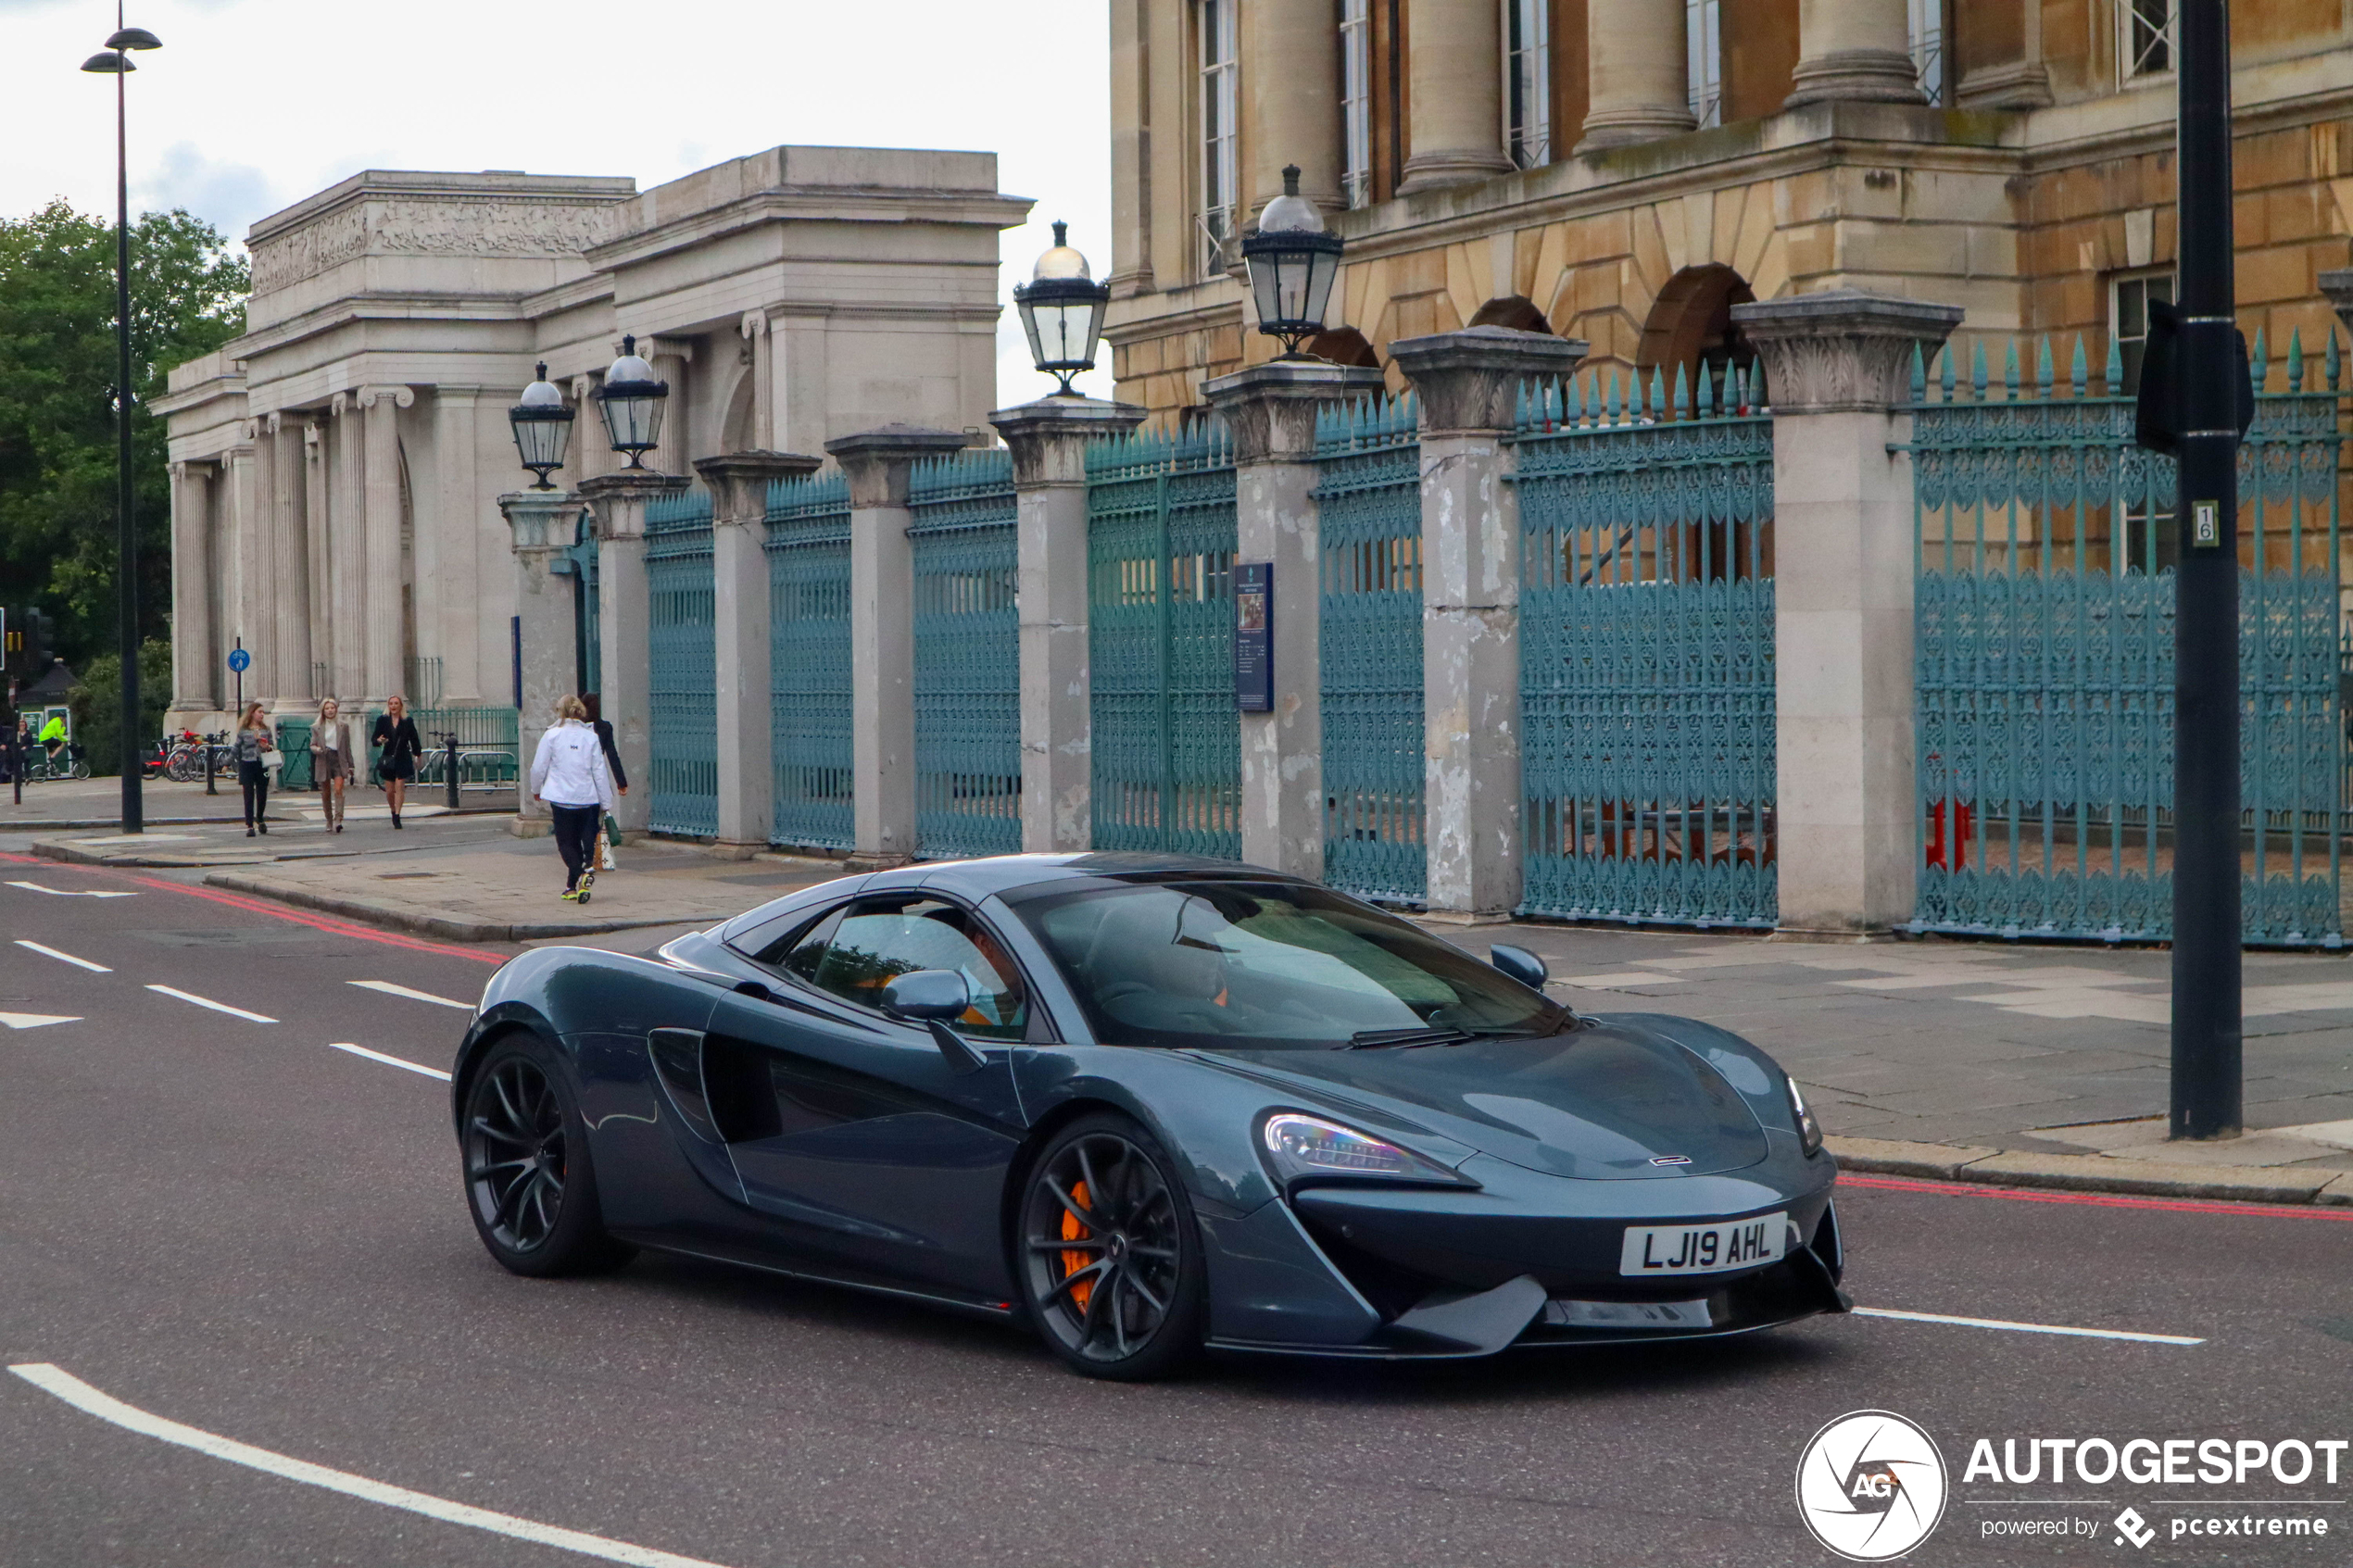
(1075, 1260)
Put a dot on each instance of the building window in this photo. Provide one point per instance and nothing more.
(1219, 173)
(2145, 46)
(2128, 322)
(1927, 47)
(1704, 63)
(1528, 82)
(1356, 100)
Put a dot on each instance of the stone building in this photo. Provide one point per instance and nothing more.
(336, 469)
(1623, 171)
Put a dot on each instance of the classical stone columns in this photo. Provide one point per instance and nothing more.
(878, 464)
(1291, 99)
(381, 622)
(1846, 813)
(1456, 74)
(1856, 50)
(449, 618)
(1048, 441)
(290, 560)
(762, 371)
(542, 523)
(1271, 410)
(624, 621)
(669, 358)
(348, 549)
(195, 667)
(1636, 61)
(1467, 382)
(738, 484)
(258, 619)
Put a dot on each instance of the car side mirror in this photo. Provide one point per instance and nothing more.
(1518, 963)
(926, 996)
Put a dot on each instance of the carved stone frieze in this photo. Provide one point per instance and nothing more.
(1843, 350)
(446, 226)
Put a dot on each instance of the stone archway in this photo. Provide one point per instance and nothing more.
(1515, 311)
(1690, 325)
(1345, 345)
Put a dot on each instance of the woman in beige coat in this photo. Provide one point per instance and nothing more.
(331, 762)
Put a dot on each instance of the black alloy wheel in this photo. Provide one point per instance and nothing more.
(1111, 1259)
(528, 1181)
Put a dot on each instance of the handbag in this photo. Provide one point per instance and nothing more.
(612, 830)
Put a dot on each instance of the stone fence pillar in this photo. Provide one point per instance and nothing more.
(1271, 410)
(1847, 815)
(1469, 383)
(738, 483)
(878, 464)
(624, 623)
(1048, 441)
(542, 523)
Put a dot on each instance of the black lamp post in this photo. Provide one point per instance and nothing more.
(115, 60)
(632, 402)
(542, 427)
(1062, 311)
(1292, 260)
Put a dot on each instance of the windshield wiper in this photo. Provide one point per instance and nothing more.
(1439, 1034)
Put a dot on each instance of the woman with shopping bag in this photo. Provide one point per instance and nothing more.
(569, 773)
(594, 704)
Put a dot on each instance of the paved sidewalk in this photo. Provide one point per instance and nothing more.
(2046, 1056)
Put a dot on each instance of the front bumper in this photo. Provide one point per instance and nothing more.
(1366, 1271)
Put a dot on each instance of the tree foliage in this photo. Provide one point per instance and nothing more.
(56, 414)
(97, 702)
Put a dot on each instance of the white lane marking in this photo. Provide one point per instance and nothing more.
(2028, 1327)
(32, 1020)
(68, 958)
(208, 1002)
(387, 1061)
(81, 1396)
(389, 989)
(68, 893)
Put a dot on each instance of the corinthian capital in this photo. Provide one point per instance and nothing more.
(1843, 350)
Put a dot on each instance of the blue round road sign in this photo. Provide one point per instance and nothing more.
(240, 660)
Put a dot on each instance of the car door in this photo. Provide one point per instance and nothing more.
(852, 1130)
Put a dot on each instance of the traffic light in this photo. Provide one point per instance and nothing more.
(24, 651)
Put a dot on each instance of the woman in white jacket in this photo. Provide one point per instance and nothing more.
(569, 775)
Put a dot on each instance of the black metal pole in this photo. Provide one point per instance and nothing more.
(453, 772)
(126, 543)
(2205, 1101)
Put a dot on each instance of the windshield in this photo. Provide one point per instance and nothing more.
(1267, 965)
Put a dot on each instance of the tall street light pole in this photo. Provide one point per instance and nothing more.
(2206, 1065)
(115, 60)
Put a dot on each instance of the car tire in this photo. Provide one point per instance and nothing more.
(531, 1187)
(1107, 1253)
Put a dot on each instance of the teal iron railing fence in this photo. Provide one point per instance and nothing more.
(578, 561)
(807, 551)
(1646, 650)
(1159, 547)
(1368, 503)
(684, 698)
(2044, 647)
(967, 656)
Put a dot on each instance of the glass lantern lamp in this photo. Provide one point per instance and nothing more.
(1062, 309)
(1292, 260)
(542, 427)
(631, 401)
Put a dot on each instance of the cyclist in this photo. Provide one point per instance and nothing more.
(53, 738)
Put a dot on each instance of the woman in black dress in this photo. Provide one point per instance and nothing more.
(397, 734)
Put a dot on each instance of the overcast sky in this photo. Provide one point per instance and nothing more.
(252, 105)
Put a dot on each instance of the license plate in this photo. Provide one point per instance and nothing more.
(1703, 1250)
(1563, 1314)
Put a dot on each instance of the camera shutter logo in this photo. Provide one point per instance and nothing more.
(1870, 1486)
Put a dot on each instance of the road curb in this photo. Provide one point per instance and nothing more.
(394, 918)
(2091, 1172)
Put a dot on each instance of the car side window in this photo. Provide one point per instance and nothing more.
(878, 940)
(793, 946)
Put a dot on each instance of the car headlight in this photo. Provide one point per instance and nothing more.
(1809, 1132)
(1299, 1146)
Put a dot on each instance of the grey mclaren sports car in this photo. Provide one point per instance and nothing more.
(1147, 1104)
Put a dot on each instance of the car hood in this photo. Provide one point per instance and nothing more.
(1599, 1102)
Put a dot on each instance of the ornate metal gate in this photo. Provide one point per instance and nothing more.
(967, 656)
(1368, 500)
(807, 551)
(1160, 542)
(683, 700)
(579, 563)
(2044, 647)
(1646, 652)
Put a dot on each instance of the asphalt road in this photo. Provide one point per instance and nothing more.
(229, 1224)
